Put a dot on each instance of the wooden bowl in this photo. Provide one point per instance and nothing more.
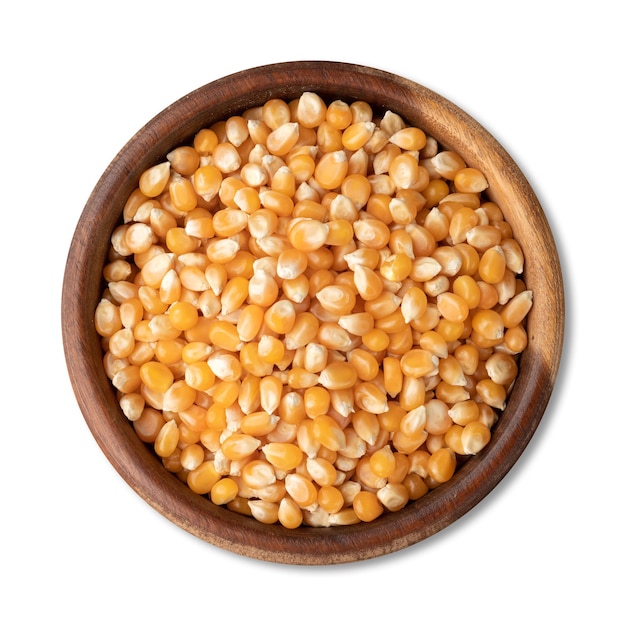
(139, 466)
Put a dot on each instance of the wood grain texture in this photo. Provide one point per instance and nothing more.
(139, 466)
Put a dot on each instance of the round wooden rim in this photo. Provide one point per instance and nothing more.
(140, 468)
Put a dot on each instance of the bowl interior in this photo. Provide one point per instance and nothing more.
(83, 285)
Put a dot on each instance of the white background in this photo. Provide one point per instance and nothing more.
(77, 545)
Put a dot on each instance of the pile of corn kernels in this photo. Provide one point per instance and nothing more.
(313, 314)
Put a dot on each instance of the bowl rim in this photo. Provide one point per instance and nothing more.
(139, 467)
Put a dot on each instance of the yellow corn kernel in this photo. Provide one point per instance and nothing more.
(205, 141)
(452, 307)
(328, 432)
(357, 323)
(167, 439)
(383, 462)
(169, 351)
(357, 134)
(409, 138)
(226, 158)
(369, 397)
(302, 167)
(224, 490)
(122, 343)
(357, 188)
(396, 267)
(275, 112)
(258, 473)
(178, 397)
(491, 393)
(283, 138)
(467, 288)
(139, 237)
(280, 316)
(412, 394)
(313, 357)
(310, 110)
(192, 423)
(375, 340)
(183, 315)
(470, 180)
(301, 490)
(127, 379)
(328, 138)
(338, 375)
(475, 437)
(516, 309)
(452, 439)
(182, 194)
(225, 392)
(202, 478)
(207, 181)
(270, 349)
(289, 513)
(513, 254)
(223, 335)
(372, 233)
(334, 337)
(331, 169)
(296, 289)
(367, 506)
(416, 486)
(501, 368)
(441, 465)
(340, 232)
(249, 398)
(492, 265)
(132, 405)
(184, 160)
(258, 423)
(303, 331)
(307, 234)
(156, 376)
(394, 496)
(392, 376)
(451, 393)
(198, 375)
(153, 181)
(366, 426)
(338, 114)
(284, 456)
(192, 456)
(337, 299)
(418, 362)
(107, 318)
(291, 263)
(516, 339)
(406, 173)
(322, 258)
(330, 498)
(237, 447)
(367, 282)
(316, 401)
(225, 366)
(488, 323)
(216, 417)
(262, 289)
(149, 424)
(488, 295)
(447, 163)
